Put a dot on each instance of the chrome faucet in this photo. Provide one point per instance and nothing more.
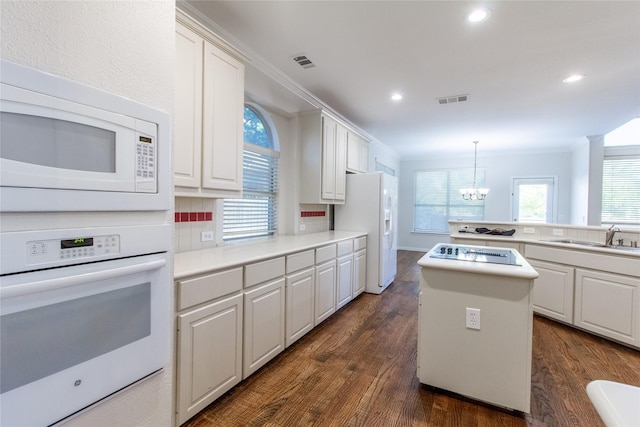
(608, 241)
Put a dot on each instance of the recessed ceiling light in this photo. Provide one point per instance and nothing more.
(574, 78)
(478, 15)
(396, 97)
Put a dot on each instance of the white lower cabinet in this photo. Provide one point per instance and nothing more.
(232, 322)
(300, 304)
(263, 314)
(264, 325)
(209, 357)
(553, 290)
(344, 273)
(359, 265)
(300, 295)
(344, 280)
(608, 304)
(325, 290)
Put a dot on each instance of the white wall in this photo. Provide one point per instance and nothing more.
(500, 171)
(596, 157)
(124, 47)
(580, 184)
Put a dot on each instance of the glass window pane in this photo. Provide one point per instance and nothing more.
(532, 203)
(256, 214)
(255, 131)
(620, 189)
(437, 199)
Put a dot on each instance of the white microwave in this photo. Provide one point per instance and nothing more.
(69, 147)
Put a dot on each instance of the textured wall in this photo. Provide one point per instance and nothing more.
(124, 47)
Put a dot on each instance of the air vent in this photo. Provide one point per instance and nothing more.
(453, 99)
(303, 61)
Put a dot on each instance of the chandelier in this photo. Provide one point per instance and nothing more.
(474, 193)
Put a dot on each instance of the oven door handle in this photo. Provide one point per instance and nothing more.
(79, 279)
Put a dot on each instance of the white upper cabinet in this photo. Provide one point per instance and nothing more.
(357, 153)
(188, 113)
(209, 125)
(324, 159)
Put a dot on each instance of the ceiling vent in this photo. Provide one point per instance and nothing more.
(303, 61)
(453, 99)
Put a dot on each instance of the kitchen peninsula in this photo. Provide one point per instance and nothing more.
(240, 305)
(582, 282)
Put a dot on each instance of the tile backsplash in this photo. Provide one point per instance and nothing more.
(193, 216)
(313, 219)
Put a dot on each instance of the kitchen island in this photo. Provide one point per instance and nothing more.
(476, 323)
(583, 282)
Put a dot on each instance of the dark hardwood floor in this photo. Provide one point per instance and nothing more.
(358, 368)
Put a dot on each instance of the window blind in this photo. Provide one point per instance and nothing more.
(438, 199)
(620, 190)
(256, 214)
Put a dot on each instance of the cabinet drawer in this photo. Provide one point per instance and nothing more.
(345, 247)
(263, 271)
(209, 287)
(326, 253)
(360, 243)
(299, 261)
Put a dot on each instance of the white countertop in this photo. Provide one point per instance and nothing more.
(234, 254)
(617, 404)
(520, 239)
(523, 270)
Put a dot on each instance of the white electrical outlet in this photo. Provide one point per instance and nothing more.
(558, 232)
(302, 227)
(206, 236)
(472, 318)
(529, 230)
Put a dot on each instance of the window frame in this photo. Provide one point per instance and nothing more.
(454, 200)
(263, 185)
(622, 179)
(552, 196)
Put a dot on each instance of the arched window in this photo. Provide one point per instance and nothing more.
(256, 214)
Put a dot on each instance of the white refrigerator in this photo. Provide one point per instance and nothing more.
(371, 206)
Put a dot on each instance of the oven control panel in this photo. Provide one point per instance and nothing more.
(80, 248)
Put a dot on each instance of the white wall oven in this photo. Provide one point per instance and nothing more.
(63, 143)
(84, 313)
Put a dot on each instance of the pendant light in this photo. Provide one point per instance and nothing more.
(474, 193)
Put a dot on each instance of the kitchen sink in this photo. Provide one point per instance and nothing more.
(593, 244)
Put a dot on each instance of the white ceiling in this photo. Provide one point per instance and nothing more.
(511, 66)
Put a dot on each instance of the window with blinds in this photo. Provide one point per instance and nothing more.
(437, 199)
(256, 214)
(621, 186)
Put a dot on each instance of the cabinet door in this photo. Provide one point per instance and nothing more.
(300, 304)
(188, 111)
(341, 163)
(344, 280)
(353, 152)
(357, 153)
(223, 118)
(363, 156)
(264, 324)
(325, 290)
(328, 158)
(608, 304)
(209, 356)
(553, 291)
(359, 272)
